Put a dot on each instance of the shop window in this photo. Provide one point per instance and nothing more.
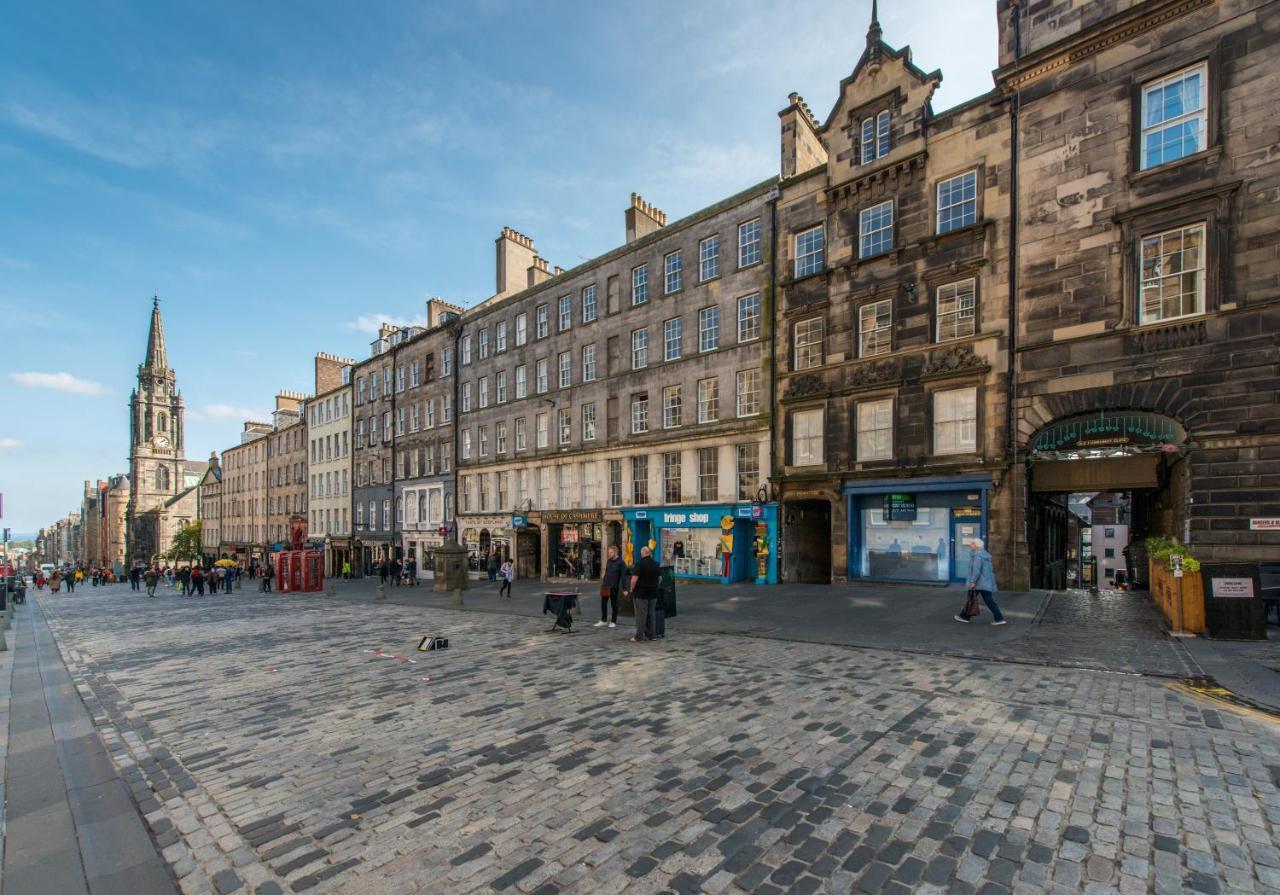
(955, 421)
(807, 437)
(875, 430)
(916, 550)
(577, 549)
(671, 477)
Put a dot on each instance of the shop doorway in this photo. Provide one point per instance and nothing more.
(529, 553)
(807, 542)
(1099, 486)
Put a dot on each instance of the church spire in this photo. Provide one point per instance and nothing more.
(157, 357)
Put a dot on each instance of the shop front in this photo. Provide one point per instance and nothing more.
(420, 549)
(575, 543)
(721, 542)
(337, 553)
(483, 536)
(915, 529)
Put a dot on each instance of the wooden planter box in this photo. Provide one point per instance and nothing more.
(1164, 590)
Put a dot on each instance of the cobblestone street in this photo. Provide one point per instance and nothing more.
(272, 747)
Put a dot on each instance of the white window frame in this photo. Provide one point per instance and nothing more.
(542, 375)
(541, 321)
(747, 400)
(1198, 117)
(639, 348)
(522, 328)
(639, 284)
(810, 250)
(709, 258)
(808, 339)
(808, 436)
(564, 369)
(639, 413)
(709, 400)
(672, 272)
(672, 407)
(750, 237)
(957, 201)
(590, 304)
(875, 328)
(588, 363)
(873, 224)
(953, 433)
(589, 421)
(1152, 279)
(672, 338)
(709, 329)
(564, 306)
(564, 425)
(541, 424)
(960, 317)
(750, 317)
(875, 430)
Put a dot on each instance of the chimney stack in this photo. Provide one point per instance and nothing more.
(539, 271)
(802, 148)
(643, 218)
(515, 255)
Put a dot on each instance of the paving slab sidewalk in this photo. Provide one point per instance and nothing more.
(70, 824)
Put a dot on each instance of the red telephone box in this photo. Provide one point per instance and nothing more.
(299, 569)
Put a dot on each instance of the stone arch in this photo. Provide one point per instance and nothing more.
(1037, 412)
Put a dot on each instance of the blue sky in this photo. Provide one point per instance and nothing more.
(284, 175)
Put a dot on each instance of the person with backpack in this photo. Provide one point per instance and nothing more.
(981, 583)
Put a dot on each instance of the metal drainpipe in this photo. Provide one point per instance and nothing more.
(1011, 385)
(395, 382)
(455, 371)
(773, 338)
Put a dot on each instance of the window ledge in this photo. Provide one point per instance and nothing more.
(1146, 175)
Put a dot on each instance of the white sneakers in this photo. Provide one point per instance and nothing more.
(599, 624)
(613, 624)
(1001, 622)
(961, 618)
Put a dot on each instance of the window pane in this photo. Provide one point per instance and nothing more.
(875, 328)
(958, 202)
(956, 312)
(808, 344)
(749, 243)
(748, 318)
(809, 251)
(875, 228)
(1174, 117)
(1172, 274)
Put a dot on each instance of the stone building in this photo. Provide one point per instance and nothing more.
(286, 491)
(423, 438)
(116, 502)
(162, 483)
(373, 490)
(244, 494)
(892, 320)
(1148, 279)
(328, 420)
(211, 511)
(92, 506)
(624, 402)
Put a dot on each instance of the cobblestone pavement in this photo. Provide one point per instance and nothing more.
(271, 750)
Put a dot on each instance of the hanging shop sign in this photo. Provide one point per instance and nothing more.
(899, 508)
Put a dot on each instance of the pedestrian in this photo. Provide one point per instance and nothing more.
(197, 581)
(55, 581)
(644, 590)
(346, 569)
(981, 583)
(507, 573)
(588, 559)
(411, 572)
(184, 581)
(383, 568)
(135, 575)
(610, 585)
(395, 572)
(491, 566)
(232, 575)
(268, 572)
(152, 577)
(71, 582)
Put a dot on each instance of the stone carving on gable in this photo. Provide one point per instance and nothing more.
(951, 360)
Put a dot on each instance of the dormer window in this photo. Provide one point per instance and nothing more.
(875, 137)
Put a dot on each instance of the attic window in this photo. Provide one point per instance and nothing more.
(875, 137)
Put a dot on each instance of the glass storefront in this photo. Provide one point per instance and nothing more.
(727, 543)
(697, 552)
(576, 549)
(915, 530)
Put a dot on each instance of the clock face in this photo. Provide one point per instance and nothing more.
(162, 441)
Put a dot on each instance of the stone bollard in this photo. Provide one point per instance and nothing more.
(457, 597)
(381, 593)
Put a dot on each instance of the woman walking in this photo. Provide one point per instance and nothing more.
(982, 582)
(506, 573)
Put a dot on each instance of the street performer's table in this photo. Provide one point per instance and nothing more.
(561, 603)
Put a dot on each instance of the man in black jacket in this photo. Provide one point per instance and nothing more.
(610, 584)
(644, 590)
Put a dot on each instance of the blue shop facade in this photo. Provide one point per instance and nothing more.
(914, 529)
(709, 542)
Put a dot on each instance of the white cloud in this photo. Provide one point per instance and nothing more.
(62, 382)
(225, 412)
(369, 323)
(9, 444)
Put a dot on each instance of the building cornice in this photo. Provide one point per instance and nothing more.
(1118, 29)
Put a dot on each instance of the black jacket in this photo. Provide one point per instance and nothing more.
(613, 572)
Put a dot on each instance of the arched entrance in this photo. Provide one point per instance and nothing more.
(529, 552)
(1099, 484)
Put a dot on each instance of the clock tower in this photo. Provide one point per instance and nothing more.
(156, 463)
